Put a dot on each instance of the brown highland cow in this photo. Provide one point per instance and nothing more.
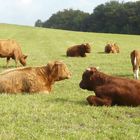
(33, 79)
(79, 50)
(112, 48)
(11, 49)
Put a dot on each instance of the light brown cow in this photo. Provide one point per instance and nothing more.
(11, 49)
(33, 79)
(112, 48)
(110, 90)
(135, 60)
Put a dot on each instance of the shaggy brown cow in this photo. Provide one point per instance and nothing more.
(110, 90)
(33, 79)
(11, 49)
(111, 48)
(79, 50)
(135, 60)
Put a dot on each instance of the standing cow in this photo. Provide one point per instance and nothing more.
(110, 90)
(79, 50)
(135, 60)
(11, 49)
(33, 79)
(112, 48)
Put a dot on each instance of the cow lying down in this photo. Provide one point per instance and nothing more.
(78, 50)
(112, 48)
(33, 79)
(110, 90)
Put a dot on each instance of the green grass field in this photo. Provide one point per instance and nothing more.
(64, 113)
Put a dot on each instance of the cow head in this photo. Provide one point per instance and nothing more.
(23, 59)
(113, 49)
(58, 71)
(108, 48)
(87, 48)
(88, 81)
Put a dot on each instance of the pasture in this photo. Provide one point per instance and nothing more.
(64, 113)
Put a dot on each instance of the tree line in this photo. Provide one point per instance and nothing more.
(111, 17)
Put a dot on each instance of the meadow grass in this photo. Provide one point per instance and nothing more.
(64, 113)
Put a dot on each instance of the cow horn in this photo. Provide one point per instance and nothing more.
(88, 69)
(97, 68)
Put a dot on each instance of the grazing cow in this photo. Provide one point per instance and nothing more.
(135, 60)
(110, 90)
(79, 50)
(11, 49)
(111, 48)
(33, 79)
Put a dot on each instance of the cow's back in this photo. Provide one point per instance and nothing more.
(126, 91)
(73, 51)
(7, 48)
(28, 80)
(16, 80)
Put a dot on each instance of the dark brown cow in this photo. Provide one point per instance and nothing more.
(135, 60)
(11, 49)
(110, 90)
(79, 50)
(112, 48)
(33, 79)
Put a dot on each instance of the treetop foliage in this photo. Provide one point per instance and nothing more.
(111, 17)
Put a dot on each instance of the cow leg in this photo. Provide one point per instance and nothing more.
(7, 60)
(44, 92)
(16, 58)
(136, 73)
(16, 63)
(94, 100)
(83, 55)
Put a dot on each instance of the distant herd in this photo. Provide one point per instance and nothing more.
(109, 90)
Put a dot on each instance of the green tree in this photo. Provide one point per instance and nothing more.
(38, 23)
(111, 17)
(66, 19)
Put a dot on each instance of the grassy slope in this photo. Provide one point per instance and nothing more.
(65, 114)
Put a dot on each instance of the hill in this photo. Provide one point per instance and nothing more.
(65, 114)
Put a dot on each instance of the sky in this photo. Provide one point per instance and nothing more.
(26, 12)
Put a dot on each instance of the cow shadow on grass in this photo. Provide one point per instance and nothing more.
(9, 67)
(63, 55)
(68, 101)
(101, 52)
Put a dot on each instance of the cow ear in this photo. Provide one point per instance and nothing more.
(88, 69)
(55, 70)
(49, 66)
(91, 75)
(53, 67)
(25, 56)
(93, 71)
